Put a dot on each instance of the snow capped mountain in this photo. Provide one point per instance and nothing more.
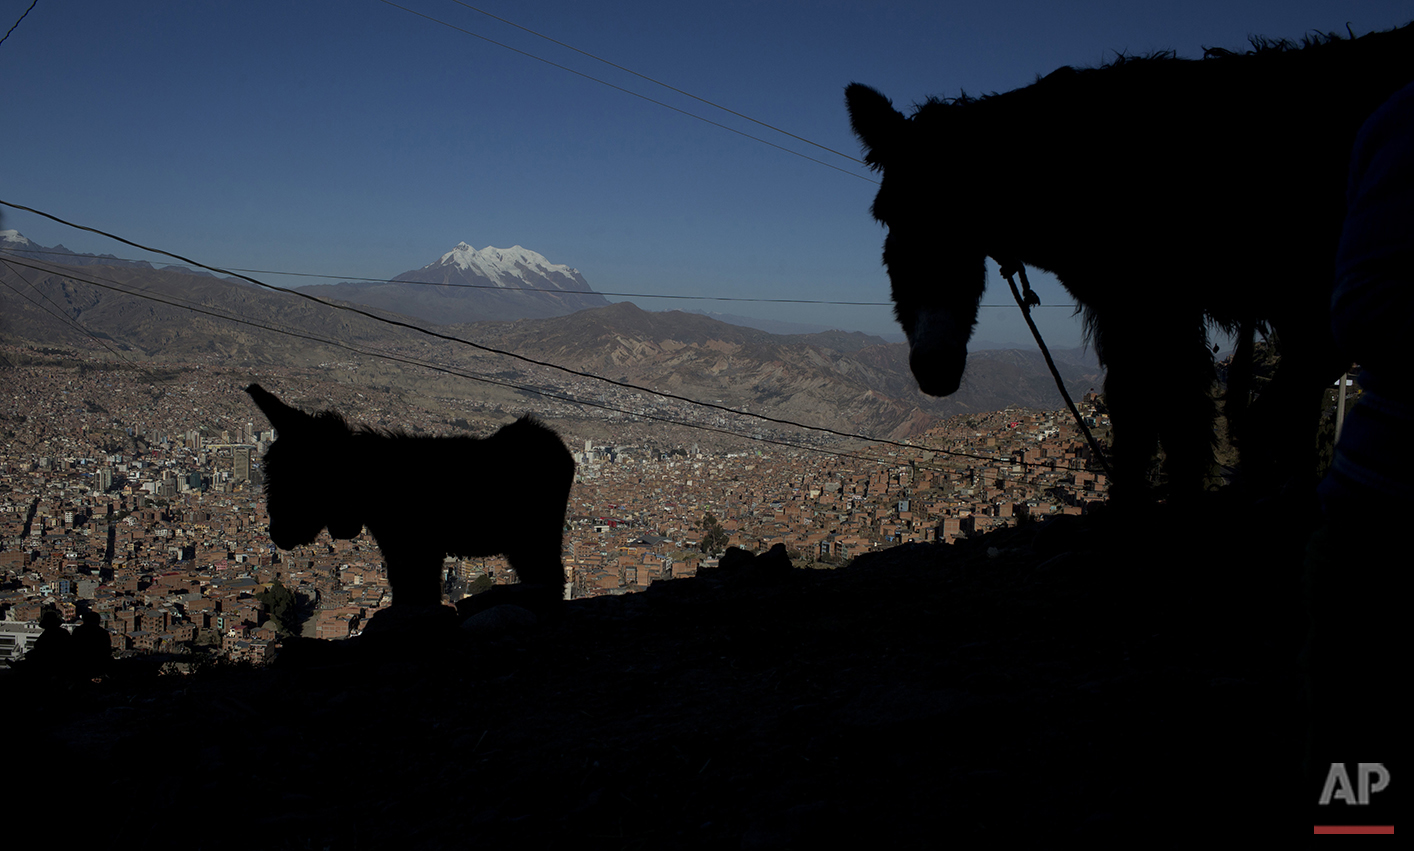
(13, 240)
(463, 285)
(515, 267)
(498, 264)
(467, 285)
(505, 269)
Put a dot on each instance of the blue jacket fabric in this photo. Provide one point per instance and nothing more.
(1371, 311)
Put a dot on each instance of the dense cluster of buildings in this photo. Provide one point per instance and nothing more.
(137, 495)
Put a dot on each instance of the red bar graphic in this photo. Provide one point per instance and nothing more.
(1348, 828)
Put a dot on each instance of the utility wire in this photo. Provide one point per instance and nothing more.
(849, 157)
(185, 304)
(112, 285)
(490, 349)
(59, 314)
(628, 91)
(192, 306)
(356, 278)
(182, 303)
(174, 301)
(353, 278)
(22, 17)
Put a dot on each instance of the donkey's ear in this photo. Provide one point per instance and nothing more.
(875, 121)
(280, 415)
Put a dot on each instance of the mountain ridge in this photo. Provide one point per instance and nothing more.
(847, 381)
(466, 285)
(16, 243)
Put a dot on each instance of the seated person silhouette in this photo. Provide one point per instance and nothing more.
(92, 646)
(52, 653)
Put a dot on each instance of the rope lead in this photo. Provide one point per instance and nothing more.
(1009, 270)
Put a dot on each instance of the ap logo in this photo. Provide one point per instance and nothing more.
(1338, 784)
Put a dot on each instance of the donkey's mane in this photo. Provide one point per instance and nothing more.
(1263, 45)
(1136, 70)
(364, 430)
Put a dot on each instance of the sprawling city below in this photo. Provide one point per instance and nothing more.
(135, 492)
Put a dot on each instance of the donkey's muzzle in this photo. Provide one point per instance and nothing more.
(937, 351)
(939, 373)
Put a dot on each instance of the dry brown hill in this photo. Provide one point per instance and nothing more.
(847, 381)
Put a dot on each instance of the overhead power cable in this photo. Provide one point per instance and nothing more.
(849, 157)
(185, 304)
(195, 308)
(17, 23)
(481, 347)
(58, 313)
(677, 296)
(592, 78)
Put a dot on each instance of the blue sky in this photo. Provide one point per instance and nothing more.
(353, 138)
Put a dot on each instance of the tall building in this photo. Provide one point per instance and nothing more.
(242, 464)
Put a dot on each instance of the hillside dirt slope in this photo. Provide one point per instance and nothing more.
(1090, 683)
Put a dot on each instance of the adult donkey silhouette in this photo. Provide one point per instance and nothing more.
(421, 498)
(1165, 194)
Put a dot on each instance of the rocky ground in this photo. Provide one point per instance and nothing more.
(1091, 683)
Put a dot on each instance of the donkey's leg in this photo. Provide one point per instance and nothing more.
(414, 574)
(1134, 438)
(1184, 379)
(535, 553)
(1124, 349)
(537, 559)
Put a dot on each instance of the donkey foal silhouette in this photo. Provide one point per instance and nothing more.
(421, 498)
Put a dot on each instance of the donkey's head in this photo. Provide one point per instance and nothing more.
(932, 251)
(307, 483)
